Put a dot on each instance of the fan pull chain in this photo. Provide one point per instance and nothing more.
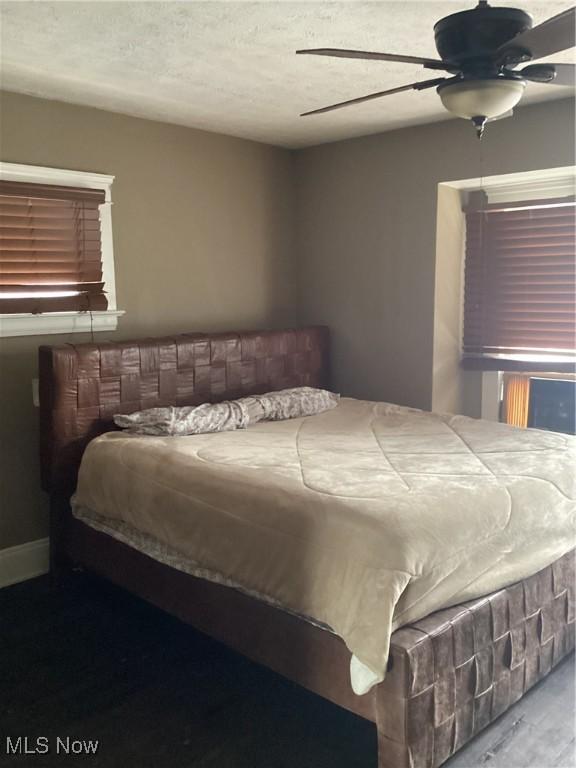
(481, 233)
(481, 165)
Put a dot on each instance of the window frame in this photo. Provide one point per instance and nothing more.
(28, 324)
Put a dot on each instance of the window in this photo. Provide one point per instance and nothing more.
(56, 258)
(50, 248)
(520, 284)
(543, 401)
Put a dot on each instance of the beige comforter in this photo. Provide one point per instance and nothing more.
(363, 518)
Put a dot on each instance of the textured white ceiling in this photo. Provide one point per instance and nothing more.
(230, 67)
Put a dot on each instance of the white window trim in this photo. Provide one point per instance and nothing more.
(27, 324)
(491, 395)
(525, 185)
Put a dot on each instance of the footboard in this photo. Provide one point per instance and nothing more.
(457, 670)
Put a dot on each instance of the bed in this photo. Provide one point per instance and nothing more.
(446, 674)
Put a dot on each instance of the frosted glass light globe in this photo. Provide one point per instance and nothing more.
(491, 97)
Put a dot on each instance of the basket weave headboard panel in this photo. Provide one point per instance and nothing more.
(83, 385)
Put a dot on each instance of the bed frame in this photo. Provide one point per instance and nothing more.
(449, 675)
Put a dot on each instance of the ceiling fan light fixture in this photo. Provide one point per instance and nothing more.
(489, 97)
(479, 50)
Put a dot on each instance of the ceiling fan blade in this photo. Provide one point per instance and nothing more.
(346, 54)
(412, 87)
(555, 74)
(555, 34)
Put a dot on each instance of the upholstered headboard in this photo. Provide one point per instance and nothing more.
(83, 385)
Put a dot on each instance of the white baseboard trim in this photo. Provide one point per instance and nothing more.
(24, 561)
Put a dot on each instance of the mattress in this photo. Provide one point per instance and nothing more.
(363, 518)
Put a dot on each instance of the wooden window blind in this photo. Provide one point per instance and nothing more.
(50, 248)
(520, 280)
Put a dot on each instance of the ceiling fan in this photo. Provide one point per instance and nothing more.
(480, 49)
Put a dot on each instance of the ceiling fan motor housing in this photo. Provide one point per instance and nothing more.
(470, 38)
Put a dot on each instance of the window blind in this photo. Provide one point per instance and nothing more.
(50, 248)
(520, 280)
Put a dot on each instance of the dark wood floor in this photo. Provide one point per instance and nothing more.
(92, 662)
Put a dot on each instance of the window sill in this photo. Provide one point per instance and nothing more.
(59, 322)
(531, 364)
